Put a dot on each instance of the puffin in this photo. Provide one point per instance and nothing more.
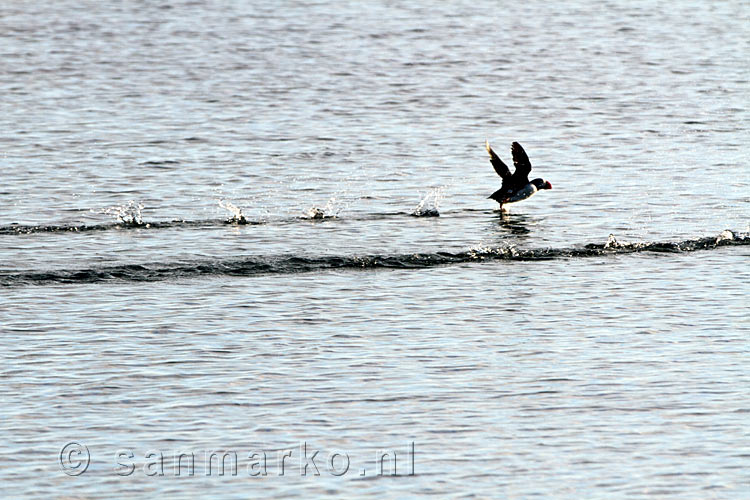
(516, 186)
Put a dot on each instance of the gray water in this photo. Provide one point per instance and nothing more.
(494, 354)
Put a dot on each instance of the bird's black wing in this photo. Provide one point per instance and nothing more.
(522, 163)
(500, 167)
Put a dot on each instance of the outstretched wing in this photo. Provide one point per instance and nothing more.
(522, 163)
(500, 167)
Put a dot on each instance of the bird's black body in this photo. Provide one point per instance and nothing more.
(516, 186)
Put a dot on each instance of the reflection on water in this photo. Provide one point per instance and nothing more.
(516, 224)
(503, 226)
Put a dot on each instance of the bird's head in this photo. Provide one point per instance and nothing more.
(542, 184)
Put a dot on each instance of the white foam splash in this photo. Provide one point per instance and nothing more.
(430, 204)
(481, 250)
(233, 209)
(332, 208)
(725, 235)
(612, 242)
(131, 213)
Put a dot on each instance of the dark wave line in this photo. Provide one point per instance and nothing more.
(289, 264)
(24, 229)
(21, 229)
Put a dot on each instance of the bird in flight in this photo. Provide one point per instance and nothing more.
(516, 186)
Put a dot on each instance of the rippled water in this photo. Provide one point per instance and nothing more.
(208, 243)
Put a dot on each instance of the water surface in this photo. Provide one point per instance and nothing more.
(516, 355)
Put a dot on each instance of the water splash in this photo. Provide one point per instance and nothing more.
(482, 251)
(430, 203)
(332, 208)
(725, 235)
(314, 213)
(612, 242)
(237, 216)
(130, 214)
